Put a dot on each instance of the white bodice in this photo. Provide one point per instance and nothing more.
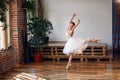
(69, 34)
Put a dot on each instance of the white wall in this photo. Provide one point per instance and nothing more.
(95, 15)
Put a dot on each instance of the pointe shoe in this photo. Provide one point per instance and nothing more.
(68, 65)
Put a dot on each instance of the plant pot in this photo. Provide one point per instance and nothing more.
(38, 57)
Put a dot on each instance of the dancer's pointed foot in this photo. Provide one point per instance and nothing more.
(68, 65)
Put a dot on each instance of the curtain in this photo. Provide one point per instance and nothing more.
(116, 30)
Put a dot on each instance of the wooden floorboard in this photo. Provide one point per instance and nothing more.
(50, 70)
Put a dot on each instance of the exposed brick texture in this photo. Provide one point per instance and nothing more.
(18, 27)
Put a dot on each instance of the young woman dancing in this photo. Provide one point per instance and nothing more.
(75, 45)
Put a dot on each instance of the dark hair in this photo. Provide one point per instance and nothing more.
(73, 23)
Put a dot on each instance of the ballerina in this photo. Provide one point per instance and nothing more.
(75, 45)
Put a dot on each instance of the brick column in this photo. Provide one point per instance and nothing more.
(18, 28)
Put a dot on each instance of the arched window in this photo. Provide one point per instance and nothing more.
(5, 32)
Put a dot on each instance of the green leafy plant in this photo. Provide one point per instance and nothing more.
(30, 6)
(39, 28)
(3, 8)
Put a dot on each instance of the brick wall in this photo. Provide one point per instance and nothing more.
(18, 27)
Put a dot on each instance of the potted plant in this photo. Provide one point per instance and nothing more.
(38, 29)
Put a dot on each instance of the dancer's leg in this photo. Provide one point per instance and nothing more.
(92, 40)
(70, 60)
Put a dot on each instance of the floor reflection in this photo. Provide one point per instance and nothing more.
(78, 71)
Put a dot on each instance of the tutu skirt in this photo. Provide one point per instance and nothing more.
(74, 45)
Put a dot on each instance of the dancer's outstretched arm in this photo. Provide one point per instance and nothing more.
(72, 17)
(76, 24)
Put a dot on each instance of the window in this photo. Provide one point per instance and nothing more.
(5, 33)
(1, 36)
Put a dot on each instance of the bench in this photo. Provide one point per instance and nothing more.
(93, 51)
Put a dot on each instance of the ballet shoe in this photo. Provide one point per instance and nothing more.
(68, 65)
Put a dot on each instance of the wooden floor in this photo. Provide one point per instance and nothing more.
(49, 70)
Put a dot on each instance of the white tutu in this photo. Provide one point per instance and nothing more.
(74, 45)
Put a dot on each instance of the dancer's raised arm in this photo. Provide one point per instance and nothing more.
(77, 24)
(71, 20)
